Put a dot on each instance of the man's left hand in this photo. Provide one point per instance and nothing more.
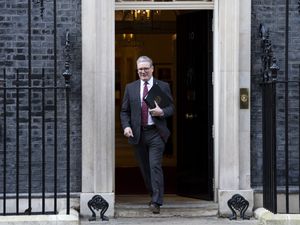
(157, 111)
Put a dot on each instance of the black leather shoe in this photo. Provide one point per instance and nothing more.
(155, 208)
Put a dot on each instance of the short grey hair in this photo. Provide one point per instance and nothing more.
(144, 58)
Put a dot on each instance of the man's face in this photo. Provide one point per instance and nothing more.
(145, 71)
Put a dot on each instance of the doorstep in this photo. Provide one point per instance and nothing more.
(137, 206)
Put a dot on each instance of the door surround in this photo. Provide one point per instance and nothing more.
(181, 5)
(231, 38)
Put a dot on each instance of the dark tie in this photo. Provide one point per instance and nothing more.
(144, 106)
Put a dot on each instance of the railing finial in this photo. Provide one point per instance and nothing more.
(67, 73)
(269, 66)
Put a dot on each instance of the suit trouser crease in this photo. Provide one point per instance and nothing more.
(149, 153)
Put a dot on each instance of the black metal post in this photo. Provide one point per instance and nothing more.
(29, 107)
(274, 70)
(286, 146)
(4, 142)
(269, 146)
(67, 75)
(17, 142)
(68, 147)
(273, 157)
(299, 140)
(55, 104)
(43, 143)
(269, 78)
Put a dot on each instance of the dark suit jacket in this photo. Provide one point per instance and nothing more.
(131, 111)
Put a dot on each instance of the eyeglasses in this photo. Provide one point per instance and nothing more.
(146, 69)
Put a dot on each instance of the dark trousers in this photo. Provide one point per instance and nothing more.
(149, 153)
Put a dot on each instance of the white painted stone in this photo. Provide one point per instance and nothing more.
(85, 197)
(88, 93)
(245, 162)
(63, 213)
(245, 79)
(260, 212)
(216, 92)
(258, 200)
(98, 119)
(228, 134)
(233, 123)
(36, 204)
(228, 105)
(245, 18)
(268, 218)
(245, 82)
(225, 195)
(72, 219)
(244, 53)
(244, 127)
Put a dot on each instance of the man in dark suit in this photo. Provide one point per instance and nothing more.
(146, 129)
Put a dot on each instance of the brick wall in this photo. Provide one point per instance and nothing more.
(13, 56)
(272, 14)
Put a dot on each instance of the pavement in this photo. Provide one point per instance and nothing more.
(172, 220)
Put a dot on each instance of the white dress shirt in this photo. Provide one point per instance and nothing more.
(149, 86)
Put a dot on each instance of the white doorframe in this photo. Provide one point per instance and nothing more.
(232, 52)
(190, 5)
(232, 32)
(231, 71)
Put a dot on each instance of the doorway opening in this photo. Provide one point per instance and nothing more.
(180, 45)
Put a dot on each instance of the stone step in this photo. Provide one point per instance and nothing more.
(174, 206)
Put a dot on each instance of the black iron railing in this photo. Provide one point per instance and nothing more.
(17, 90)
(36, 106)
(276, 94)
(269, 77)
(44, 90)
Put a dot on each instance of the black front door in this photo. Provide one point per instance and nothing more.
(195, 105)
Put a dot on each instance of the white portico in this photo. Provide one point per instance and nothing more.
(231, 124)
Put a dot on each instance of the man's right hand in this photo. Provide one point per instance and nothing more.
(128, 132)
